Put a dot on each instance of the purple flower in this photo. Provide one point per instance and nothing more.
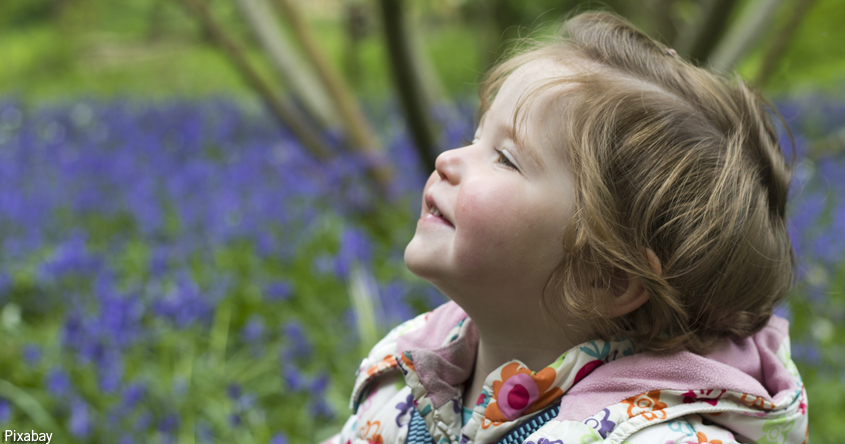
(234, 419)
(204, 432)
(278, 291)
(279, 438)
(185, 305)
(320, 408)
(79, 423)
(143, 421)
(233, 391)
(354, 247)
(297, 345)
(5, 411)
(5, 284)
(169, 423)
(133, 394)
(58, 382)
(319, 383)
(294, 380)
(253, 331)
(31, 354)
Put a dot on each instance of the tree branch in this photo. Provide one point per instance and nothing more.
(288, 63)
(363, 137)
(284, 112)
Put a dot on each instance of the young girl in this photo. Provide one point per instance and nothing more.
(613, 243)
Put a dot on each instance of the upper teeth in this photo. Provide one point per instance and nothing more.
(433, 210)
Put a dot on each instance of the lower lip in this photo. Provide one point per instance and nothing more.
(430, 218)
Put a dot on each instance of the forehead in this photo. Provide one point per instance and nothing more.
(529, 108)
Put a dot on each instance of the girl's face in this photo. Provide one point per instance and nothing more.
(493, 212)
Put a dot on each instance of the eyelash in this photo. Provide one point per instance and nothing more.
(502, 158)
(505, 161)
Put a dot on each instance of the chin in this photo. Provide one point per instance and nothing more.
(413, 262)
(420, 262)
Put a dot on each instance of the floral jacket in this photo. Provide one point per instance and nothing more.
(743, 392)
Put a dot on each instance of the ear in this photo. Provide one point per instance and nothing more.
(626, 291)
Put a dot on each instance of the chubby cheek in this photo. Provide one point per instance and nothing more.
(493, 236)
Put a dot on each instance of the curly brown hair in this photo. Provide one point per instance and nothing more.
(670, 157)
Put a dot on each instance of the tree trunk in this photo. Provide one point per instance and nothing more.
(406, 77)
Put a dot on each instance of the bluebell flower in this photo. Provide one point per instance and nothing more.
(58, 382)
(204, 432)
(168, 423)
(253, 331)
(185, 305)
(246, 402)
(808, 353)
(278, 291)
(279, 438)
(233, 391)
(143, 422)
(235, 419)
(297, 345)
(394, 305)
(318, 407)
(79, 423)
(354, 247)
(319, 383)
(133, 394)
(31, 354)
(5, 285)
(5, 411)
(294, 379)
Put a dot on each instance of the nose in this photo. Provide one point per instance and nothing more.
(448, 165)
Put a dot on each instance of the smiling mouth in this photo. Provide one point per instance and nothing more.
(435, 212)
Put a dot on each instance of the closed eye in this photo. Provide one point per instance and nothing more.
(505, 160)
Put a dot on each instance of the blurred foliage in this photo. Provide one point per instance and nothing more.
(55, 48)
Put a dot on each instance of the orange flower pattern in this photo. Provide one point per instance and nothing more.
(374, 436)
(388, 362)
(702, 439)
(521, 392)
(757, 401)
(646, 404)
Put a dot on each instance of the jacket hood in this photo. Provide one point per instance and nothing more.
(751, 367)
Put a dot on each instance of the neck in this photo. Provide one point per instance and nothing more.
(531, 338)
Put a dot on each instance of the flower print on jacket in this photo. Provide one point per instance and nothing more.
(520, 392)
(604, 425)
(702, 439)
(646, 404)
(709, 396)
